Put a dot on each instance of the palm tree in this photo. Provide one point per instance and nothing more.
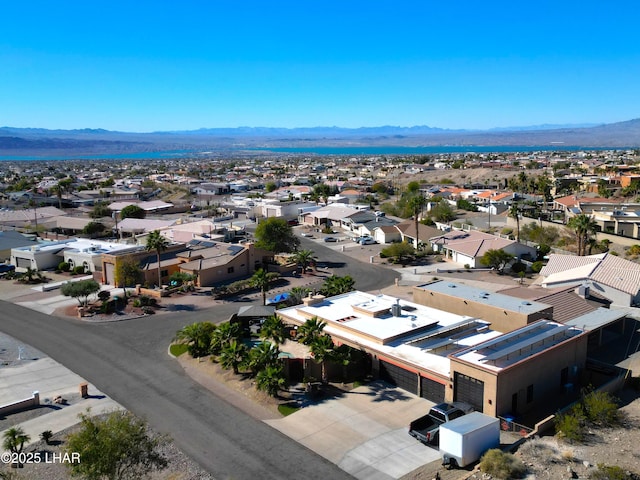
(262, 279)
(223, 335)
(233, 354)
(271, 379)
(335, 285)
(310, 330)
(273, 328)
(14, 440)
(261, 356)
(304, 259)
(584, 227)
(296, 294)
(322, 349)
(416, 204)
(198, 336)
(514, 212)
(157, 243)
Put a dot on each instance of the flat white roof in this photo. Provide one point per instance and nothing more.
(503, 351)
(420, 335)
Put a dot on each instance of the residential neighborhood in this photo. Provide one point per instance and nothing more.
(502, 283)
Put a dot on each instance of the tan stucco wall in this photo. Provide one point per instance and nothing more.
(542, 370)
(501, 320)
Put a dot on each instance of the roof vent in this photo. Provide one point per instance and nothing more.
(396, 309)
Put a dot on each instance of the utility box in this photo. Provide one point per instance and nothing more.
(84, 389)
(465, 439)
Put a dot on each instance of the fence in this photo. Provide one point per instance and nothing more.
(508, 425)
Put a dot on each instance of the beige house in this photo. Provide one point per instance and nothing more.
(517, 372)
(223, 263)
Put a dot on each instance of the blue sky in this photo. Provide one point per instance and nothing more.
(158, 65)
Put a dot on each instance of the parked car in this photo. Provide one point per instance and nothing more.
(6, 268)
(307, 235)
(330, 239)
(367, 241)
(426, 428)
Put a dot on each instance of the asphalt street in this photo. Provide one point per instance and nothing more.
(128, 361)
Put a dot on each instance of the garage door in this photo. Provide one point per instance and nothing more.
(23, 262)
(431, 390)
(468, 389)
(399, 377)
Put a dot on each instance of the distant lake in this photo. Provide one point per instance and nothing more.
(346, 151)
(430, 150)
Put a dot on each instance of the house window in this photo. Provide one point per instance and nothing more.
(164, 273)
(530, 394)
(230, 270)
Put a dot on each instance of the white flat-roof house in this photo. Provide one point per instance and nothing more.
(76, 252)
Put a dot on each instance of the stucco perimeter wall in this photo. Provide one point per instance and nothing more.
(501, 320)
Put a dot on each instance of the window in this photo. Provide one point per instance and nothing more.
(164, 273)
(564, 376)
(530, 394)
(230, 270)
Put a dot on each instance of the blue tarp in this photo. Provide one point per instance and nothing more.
(281, 297)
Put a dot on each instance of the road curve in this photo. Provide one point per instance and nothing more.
(128, 361)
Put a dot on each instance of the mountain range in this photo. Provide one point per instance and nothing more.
(38, 141)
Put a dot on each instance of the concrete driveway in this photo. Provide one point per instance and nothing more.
(364, 431)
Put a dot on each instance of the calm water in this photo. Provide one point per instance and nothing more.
(378, 150)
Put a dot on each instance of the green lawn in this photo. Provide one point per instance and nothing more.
(178, 349)
(287, 409)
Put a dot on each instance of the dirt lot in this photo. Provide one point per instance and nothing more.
(550, 458)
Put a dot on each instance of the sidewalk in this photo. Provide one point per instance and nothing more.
(36, 372)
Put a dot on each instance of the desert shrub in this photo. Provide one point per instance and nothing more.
(327, 230)
(607, 472)
(64, 266)
(536, 266)
(104, 295)
(506, 231)
(634, 250)
(543, 450)
(570, 426)
(79, 270)
(518, 267)
(467, 266)
(147, 301)
(601, 409)
(137, 303)
(502, 465)
(148, 310)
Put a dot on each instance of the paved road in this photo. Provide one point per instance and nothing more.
(128, 361)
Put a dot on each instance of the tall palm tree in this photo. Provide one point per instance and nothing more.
(262, 280)
(584, 228)
(273, 329)
(233, 354)
(304, 259)
(310, 330)
(514, 212)
(198, 336)
(322, 349)
(158, 243)
(416, 204)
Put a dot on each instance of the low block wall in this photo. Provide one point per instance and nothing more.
(25, 404)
